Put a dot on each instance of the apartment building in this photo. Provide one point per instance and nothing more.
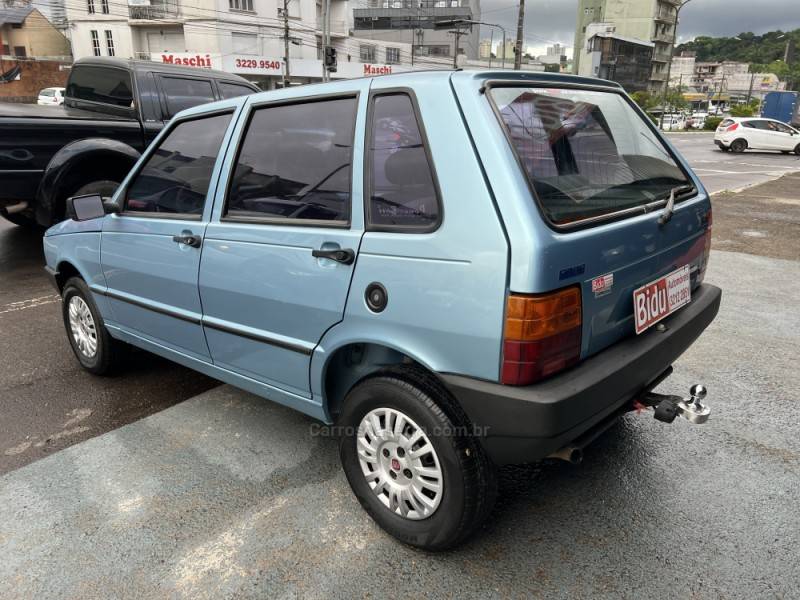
(245, 37)
(724, 77)
(648, 21)
(609, 55)
(412, 22)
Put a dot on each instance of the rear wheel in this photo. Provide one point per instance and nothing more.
(22, 219)
(93, 346)
(797, 150)
(104, 187)
(739, 146)
(412, 462)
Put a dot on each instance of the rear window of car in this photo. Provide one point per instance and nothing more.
(47, 92)
(101, 84)
(729, 122)
(586, 153)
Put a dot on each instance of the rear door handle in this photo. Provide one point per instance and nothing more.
(343, 255)
(190, 240)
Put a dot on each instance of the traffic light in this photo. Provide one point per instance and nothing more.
(330, 59)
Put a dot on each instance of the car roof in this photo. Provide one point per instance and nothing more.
(151, 65)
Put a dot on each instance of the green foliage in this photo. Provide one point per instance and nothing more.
(674, 99)
(744, 110)
(746, 47)
(645, 100)
(712, 123)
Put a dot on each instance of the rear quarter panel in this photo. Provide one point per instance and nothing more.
(447, 288)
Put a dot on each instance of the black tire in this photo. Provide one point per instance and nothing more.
(469, 479)
(786, 152)
(797, 150)
(724, 148)
(739, 146)
(109, 353)
(104, 187)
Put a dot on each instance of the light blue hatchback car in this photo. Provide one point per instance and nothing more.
(460, 270)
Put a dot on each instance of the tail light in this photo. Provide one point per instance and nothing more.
(542, 335)
(733, 127)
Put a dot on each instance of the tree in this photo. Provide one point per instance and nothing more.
(645, 100)
(745, 110)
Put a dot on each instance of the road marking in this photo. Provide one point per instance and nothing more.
(31, 303)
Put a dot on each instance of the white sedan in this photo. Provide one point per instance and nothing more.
(755, 133)
(51, 96)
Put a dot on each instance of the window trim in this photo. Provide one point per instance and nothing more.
(414, 229)
(152, 150)
(162, 94)
(255, 106)
(618, 215)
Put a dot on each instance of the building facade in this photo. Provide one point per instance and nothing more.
(651, 21)
(245, 37)
(725, 77)
(608, 55)
(25, 32)
(412, 22)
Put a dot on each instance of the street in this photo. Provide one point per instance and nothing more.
(161, 483)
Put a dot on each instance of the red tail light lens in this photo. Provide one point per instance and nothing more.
(733, 127)
(542, 335)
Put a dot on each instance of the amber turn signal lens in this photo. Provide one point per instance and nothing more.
(535, 317)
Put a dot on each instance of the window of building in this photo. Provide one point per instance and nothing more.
(241, 5)
(392, 56)
(367, 53)
(402, 192)
(90, 6)
(101, 84)
(104, 6)
(245, 43)
(19, 51)
(109, 42)
(295, 163)
(95, 42)
(185, 92)
(175, 178)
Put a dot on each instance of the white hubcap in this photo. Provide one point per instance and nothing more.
(82, 326)
(399, 463)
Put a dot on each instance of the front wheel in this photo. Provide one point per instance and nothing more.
(412, 461)
(93, 346)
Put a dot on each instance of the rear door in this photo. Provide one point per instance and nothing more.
(582, 178)
(179, 92)
(280, 250)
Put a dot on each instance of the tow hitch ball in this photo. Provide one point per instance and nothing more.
(667, 407)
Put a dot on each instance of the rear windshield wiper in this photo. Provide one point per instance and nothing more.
(670, 207)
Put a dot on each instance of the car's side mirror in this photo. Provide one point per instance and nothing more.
(91, 206)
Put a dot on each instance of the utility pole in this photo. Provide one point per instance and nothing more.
(457, 33)
(671, 51)
(491, 41)
(518, 45)
(326, 36)
(286, 75)
(750, 89)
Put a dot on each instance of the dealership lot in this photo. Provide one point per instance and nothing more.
(228, 495)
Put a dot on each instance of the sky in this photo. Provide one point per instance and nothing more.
(549, 21)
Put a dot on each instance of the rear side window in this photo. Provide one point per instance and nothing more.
(175, 178)
(586, 153)
(232, 90)
(402, 192)
(729, 122)
(295, 163)
(181, 93)
(101, 84)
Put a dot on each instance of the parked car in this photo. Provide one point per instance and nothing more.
(697, 120)
(674, 122)
(52, 96)
(113, 108)
(740, 134)
(459, 269)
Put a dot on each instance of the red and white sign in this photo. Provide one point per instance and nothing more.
(659, 298)
(200, 60)
(603, 284)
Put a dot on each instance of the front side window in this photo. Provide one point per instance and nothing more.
(101, 84)
(295, 163)
(402, 192)
(586, 153)
(175, 179)
(181, 93)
